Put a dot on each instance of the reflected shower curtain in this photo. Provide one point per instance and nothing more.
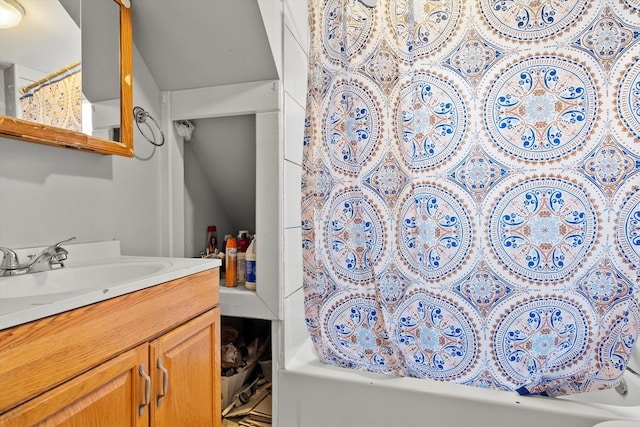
(470, 192)
(57, 103)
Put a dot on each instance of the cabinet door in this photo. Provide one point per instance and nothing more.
(186, 374)
(109, 395)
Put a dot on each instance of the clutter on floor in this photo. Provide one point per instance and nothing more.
(246, 377)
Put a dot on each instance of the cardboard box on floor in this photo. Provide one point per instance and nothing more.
(231, 385)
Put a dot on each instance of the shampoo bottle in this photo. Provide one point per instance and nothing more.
(231, 259)
(250, 282)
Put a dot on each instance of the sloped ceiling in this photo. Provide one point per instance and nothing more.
(190, 44)
(199, 43)
(225, 147)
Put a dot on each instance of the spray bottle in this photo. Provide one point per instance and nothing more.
(231, 259)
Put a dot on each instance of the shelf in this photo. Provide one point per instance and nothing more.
(242, 302)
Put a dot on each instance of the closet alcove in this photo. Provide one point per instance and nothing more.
(226, 174)
(220, 175)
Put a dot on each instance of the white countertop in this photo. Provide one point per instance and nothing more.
(84, 257)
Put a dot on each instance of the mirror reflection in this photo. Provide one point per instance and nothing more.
(60, 66)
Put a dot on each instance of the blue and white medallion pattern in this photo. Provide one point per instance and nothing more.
(435, 232)
(351, 126)
(623, 326)
(539, 336)
(431, 120)
(483, 289)
(533, 21)
(610, 165)
(542, 229)
(354, 236)
(604, 285)
(541, 108)
(422, 27)
(356, 333)
(606, 39)
(438, 340)
(348, 30)
(471, 190)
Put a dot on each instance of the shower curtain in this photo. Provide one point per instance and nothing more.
(470, 191)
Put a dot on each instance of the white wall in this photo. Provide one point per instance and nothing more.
(292, 330)
(295, 88)
(225, 150)
(50, 193)
(202, 207)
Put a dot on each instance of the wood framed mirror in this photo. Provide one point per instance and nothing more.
(13, 127)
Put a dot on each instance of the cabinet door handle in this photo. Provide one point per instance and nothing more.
(165, 381)
(147, 390)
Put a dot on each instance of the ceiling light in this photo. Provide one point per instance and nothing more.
(11, 13)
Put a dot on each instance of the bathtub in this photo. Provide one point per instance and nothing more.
(312, 394)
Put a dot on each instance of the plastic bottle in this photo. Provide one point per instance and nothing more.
(231, 259)
(243, 240)
(243, 244)
(250, 281)
(212, 240)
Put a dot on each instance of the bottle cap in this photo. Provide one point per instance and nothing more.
(211, 228)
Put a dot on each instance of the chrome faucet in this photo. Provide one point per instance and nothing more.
(10, 264)
(49, 258)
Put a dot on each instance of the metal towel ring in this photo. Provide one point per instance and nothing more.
(141, 116)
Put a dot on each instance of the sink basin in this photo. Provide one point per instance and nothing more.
(93, 272)
(72, 279)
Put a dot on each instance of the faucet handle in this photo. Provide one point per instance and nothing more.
(9, 259)
(58, 253)
(58, 245)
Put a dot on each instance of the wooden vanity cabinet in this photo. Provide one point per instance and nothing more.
(108, 395)
(185, 376)
(169, 378)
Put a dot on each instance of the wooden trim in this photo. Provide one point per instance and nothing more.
(216, 349)
(125, 146)
(126, 81)
(40, 355)
(24, 130)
